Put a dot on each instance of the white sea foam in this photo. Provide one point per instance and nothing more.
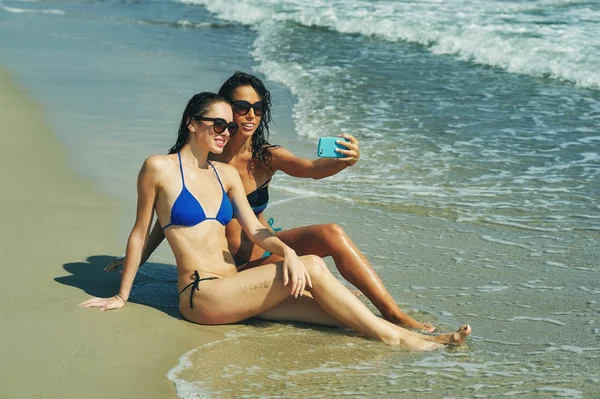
(531, 284)
(32, 11)
(521, 38)
(187, 389)
(518, 225)
(481, 30)
(546, 320)
(503, 242)
(557, 264)
(491, 288)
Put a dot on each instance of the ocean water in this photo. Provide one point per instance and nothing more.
(475, 199)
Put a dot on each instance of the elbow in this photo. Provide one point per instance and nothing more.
(137, 236)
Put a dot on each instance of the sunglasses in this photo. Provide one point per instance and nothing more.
(220, 124)
(242, 107)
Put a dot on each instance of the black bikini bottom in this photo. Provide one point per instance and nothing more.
(194, 284)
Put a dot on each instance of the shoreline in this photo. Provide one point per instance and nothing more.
(57, 233)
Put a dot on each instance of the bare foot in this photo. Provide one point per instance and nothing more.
(455, 338)
(426, 327)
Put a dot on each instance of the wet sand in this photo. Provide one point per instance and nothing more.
(56, 233)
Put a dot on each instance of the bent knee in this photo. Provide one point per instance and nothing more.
(315, 265)
(332, 231)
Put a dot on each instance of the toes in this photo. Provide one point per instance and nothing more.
(465, 329)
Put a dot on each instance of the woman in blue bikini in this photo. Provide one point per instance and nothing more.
(257, 161)
(194, 199)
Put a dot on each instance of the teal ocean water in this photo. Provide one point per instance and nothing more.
(476, 197)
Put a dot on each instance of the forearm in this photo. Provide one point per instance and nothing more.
(264, 238)
(133, 256)
(319, 168)
(325, 167)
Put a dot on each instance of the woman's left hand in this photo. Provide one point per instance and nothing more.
(353, 151)
(294, 272)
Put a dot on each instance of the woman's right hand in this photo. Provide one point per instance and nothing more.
(114, 302)
(115, 264)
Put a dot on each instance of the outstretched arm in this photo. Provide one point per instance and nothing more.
(156, 237)
(292, 165)
(147, 193)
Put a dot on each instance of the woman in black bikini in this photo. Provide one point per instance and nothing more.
(191, 198)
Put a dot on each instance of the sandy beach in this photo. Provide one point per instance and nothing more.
(56, 232)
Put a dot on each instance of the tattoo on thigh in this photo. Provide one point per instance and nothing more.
(257, 286)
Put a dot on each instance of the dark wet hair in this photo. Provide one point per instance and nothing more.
(260, 145)
(199, 105)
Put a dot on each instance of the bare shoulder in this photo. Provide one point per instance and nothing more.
(224, 169)
(227, 173)
(159, 166)
(280, 156)
(285, 161)
(155, 161)
(280, 152)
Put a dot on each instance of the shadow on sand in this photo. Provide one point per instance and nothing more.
(91, 278)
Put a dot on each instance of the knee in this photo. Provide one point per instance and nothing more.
(333, 232)
(333, 238)
(316, 266)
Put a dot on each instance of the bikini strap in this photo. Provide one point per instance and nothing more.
(181, 168)
(195, 286)
(217, 174)
(263, 185)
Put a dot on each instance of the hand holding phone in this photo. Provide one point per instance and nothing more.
(328, 145)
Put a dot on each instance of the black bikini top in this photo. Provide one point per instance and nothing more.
(259, 198)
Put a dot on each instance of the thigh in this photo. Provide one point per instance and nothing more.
(237, 297)
(305, 240)
(302, 309)
(308, 239)
(260, 262)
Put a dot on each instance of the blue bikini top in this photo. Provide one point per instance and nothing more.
(187, 211)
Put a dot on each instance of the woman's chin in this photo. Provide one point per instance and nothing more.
(216, 149)
(246, 133)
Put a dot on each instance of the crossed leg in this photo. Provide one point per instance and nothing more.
(260, 291)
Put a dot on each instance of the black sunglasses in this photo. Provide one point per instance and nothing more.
(220, 124)
(242, 107)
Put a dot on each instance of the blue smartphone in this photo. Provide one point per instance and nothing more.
(327, 146)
